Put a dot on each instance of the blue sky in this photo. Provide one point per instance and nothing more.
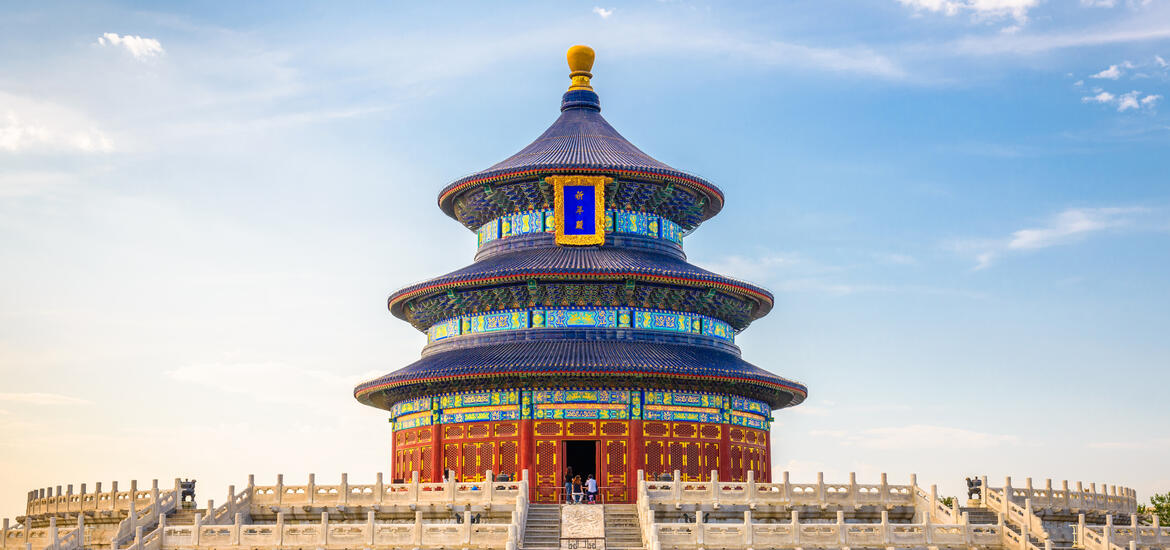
(962, 207)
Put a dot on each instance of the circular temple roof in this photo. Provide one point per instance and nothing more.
(581, 141)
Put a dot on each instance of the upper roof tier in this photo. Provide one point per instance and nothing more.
(581, 142)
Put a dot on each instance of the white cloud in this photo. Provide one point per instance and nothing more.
(1128, 101)
(1098, 3)
(1132, 100)
(37, 398)
(980, 9)
(139, 47)
(1070, 224)
(1066, 227)
(1112, 73)
(1161, 62)
(1101, 97)
(604, 13)
(919, 436)
(29, 125)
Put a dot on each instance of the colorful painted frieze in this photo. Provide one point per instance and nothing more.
(670, 231)
(599, 318)
(684, 398)
(443, 330)
(749, 420)
(750, 405)
(415, 420)
(410, 406)
(657, 320)
(522, 223)
(481, 414)
(581, 396)
(636, 223)
(681, 414)
(475, 399)
(592, 411)
(489, 232)
(503, 320)
(616, 221)
(718, 329)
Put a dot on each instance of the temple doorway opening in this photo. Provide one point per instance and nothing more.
(581, 457)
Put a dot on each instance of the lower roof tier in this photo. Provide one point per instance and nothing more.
(576, 363)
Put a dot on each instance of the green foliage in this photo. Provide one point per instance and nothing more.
(947, 501)
(1159, 506)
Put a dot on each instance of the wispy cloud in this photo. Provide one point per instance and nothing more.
(979, 9)
(603, 12)
(1112, 73)
(139, 47)
(918, 436)
(38, 398)
(31, 125)
(1070, 225)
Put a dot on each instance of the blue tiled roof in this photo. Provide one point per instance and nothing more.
(586, 260)
(582, 139)
(596, 362)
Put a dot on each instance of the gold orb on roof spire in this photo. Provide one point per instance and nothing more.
(580, 63)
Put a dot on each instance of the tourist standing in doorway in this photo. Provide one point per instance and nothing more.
(578, 490)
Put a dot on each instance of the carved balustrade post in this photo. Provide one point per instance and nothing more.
(380, 488)
(324, 538)
(312, 490)
(885, 490)
(344, 489)
(370, 528)
(198, 528)
(748, 529)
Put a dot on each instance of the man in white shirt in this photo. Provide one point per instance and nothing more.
(591, 488)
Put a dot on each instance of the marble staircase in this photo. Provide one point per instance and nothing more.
(542, 531)
(622, 529)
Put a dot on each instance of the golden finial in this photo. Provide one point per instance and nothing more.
(580, 63)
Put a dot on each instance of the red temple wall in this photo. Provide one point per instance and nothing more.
(624, 447)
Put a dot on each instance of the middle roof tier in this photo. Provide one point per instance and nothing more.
(555, 276)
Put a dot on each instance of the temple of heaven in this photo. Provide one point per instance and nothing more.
(580, 337)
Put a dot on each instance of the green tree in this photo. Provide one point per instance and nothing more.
(947, 501)
(1159, 506)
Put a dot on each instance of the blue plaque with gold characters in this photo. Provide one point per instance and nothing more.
(579, 209)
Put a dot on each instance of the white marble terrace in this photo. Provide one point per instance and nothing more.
(673, 514)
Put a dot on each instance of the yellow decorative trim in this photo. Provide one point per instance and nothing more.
(598, 183)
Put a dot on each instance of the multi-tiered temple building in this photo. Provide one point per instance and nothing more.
(581, 337)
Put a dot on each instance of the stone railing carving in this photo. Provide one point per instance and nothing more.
(324, 534)
(718, 493)
(1111, 499)
(161, 505)
(380, 493)
(237, 503)
(1118, 537)
(61, 501)
(44, 538)
(1015, 514)
(794, 534)
(930, 505)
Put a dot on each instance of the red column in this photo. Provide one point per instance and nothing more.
(436, 465)
(527, 462)
(725, 453)
(635, 460)
(768, 454)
